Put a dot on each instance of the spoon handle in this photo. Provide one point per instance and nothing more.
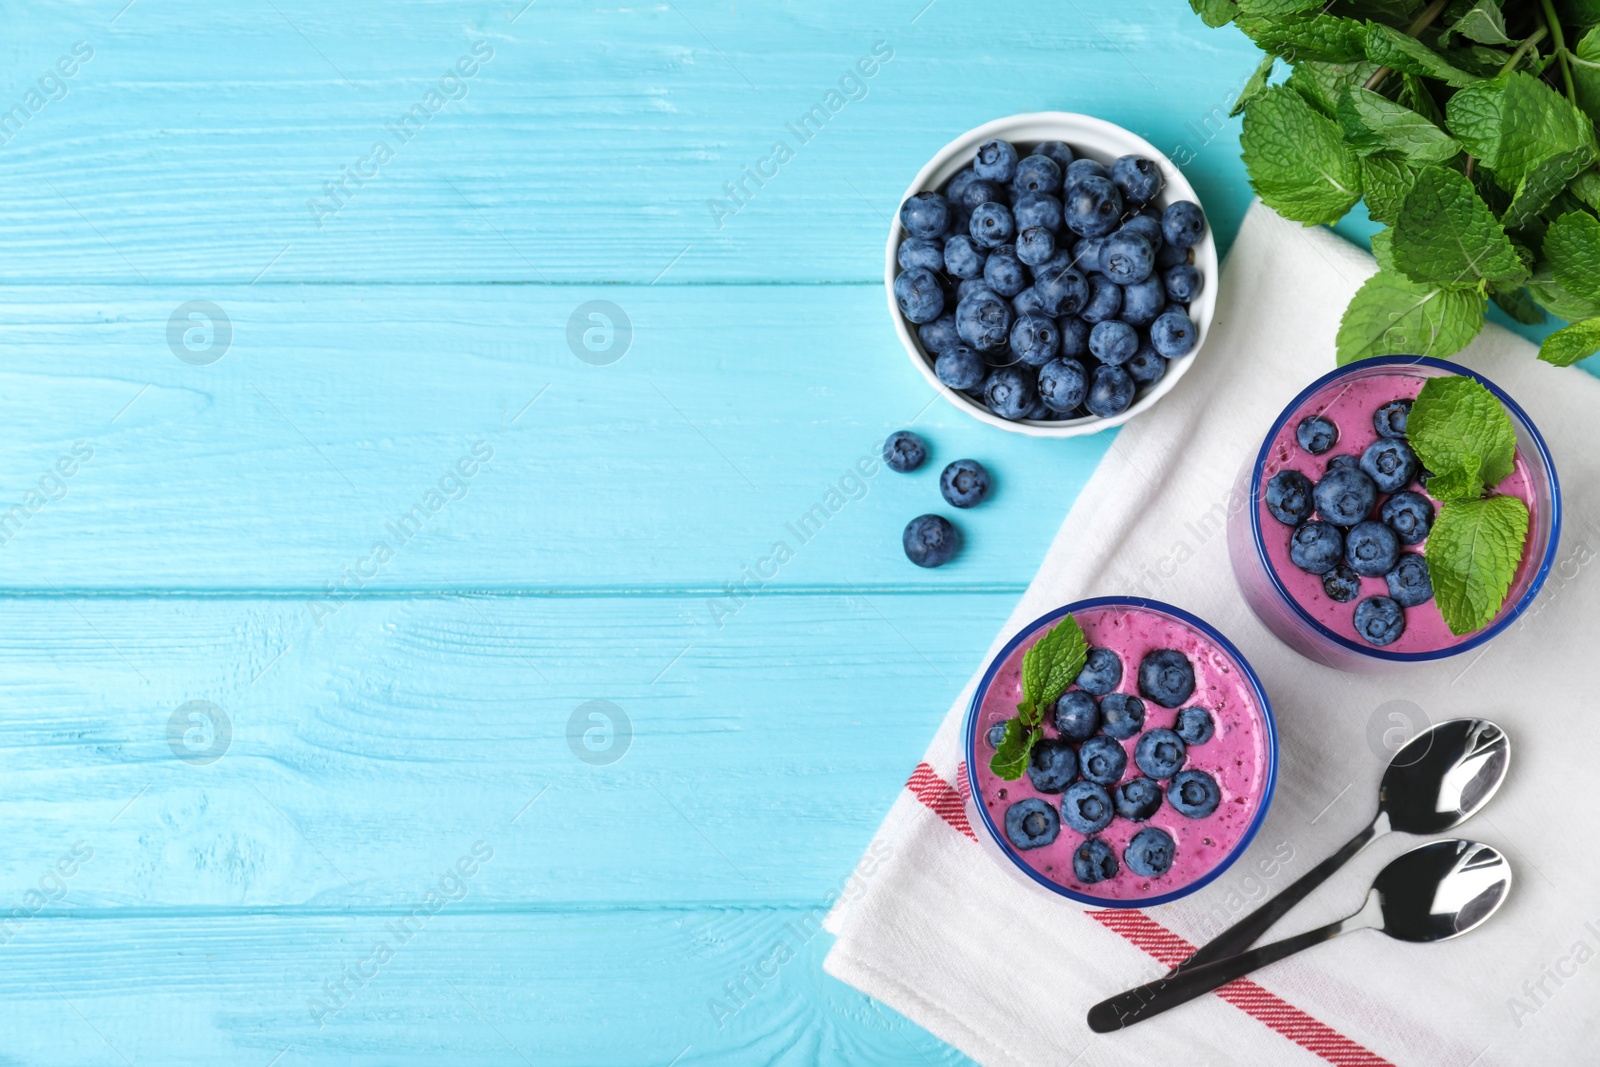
(1242, 934)
(1176, 988)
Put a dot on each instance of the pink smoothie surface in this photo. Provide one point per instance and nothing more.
(1349, 406)
(1236, 756)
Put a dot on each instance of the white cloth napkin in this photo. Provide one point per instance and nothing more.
(1005, 972)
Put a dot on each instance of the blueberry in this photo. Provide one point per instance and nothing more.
(1160, 753)
(930, 540)
(997, 734)
(1093, 861)
(1004, 272)
(1110, 391)
(1113, 342)
(983, 320)
(1121, 715)
(962, 257)
(1039, 411)
(1316, 434)
(960, 367)
(1316, 547)
(1102, 759)
(925, 215)
(1035, 339)
(957, 185)
(1148, 226)
(1086, 807)
(1390, 420)
(1149, 853)
(1105, 299)
(1038, 209)
(1137, 799)
(1172, 333)
(1059, 151)
(1350, 462)
(1127, 257)
(1091, 206)
(904, 451)
(1409, 582)
(1344, 496)
(1062, 290)
(1146, 366)
(980, 192)
(940, 334)
(1341, 584)
(992, 225)
(1032, 823)
(1035, 245)
(1166, 676)
(1027, 302)
(964, 483)
(1036, 174)
(1009, 392)
(1084, 168)
(919, 295)
(1052, 765)
(1143, 302)
(1138, 178)
(922, 252)
(1182, 224)
(997, 161)
(1194, 794)
(1102, 671)
(971, 287)
(1289, 497)
(1063, 384)
(1077, 716)
(1169, 256)
(1184, 283)
(1074, 335)
(1409, 515)
(1390, 463)
(1380, 620)
(1371, 549)
(1089, 254)
(1194, 725)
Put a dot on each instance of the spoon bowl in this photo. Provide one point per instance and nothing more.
(1443, 776)
(1441, 890)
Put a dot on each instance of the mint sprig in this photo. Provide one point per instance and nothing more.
(1463, 434)
(1048, 668)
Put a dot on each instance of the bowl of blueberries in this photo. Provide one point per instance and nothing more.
(1051, 274)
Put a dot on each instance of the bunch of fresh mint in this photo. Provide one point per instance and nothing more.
(1048, 668)
(1467, 126)
(1463, 435)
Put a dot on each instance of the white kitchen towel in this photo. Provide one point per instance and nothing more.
(933, 927)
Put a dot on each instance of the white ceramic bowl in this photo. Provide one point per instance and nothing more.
(1092, 138)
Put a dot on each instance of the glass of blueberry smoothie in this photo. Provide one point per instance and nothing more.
(1120, 753)
(1356, 552)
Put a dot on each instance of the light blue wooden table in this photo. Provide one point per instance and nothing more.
(367, 502)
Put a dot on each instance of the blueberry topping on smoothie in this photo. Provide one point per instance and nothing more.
(1032, 823)
(997, 732)
(1195, 726)
(1409, 582)
(1193, 794)
(1316, 434)
(1390, 464)
(1052, 766)
(1160, 753)
(1345, 496)
(1289, 497)
(1102, 672)
(1102, 760)
(1409, 515)
(1077, 715)
(1150, 852)
(1341, 584)
(1087, 807)
(1345, 462)
(1137, 799)
(1317, 547)
(1380, 620)
(1390, 419)
(1371, 549)
(1166, 676)
(1122, 715)
(1094, 862)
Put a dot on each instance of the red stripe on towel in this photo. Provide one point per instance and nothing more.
(1168, 948)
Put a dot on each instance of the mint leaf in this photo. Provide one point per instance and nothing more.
(1389, 47)
(1446, 235)
(1010, 757)
(1566, 346)
(1386, 179)
(1050, 666)
(1274, 9)
(1513, 121)
(1572, 245)
(1374, 123)
(1393, 315)
(1550, 295)
(1586, 187)
(1462, 433)
(1483, 23)
(1542, 182)
(1328, 38)
(1324, 84)
(1518, 304)
(1473, 551)
(1255, 86)
(1586, 72)
(1298, 160)
(1383, 248)
(1214, 12)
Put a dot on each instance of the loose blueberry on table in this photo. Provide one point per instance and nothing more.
(1006, 270)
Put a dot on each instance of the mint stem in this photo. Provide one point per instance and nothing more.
(1559, 40)
(1522, 49)
(1422, 22)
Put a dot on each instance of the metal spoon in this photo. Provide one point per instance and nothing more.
(1432, 893)
(1436, 782)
